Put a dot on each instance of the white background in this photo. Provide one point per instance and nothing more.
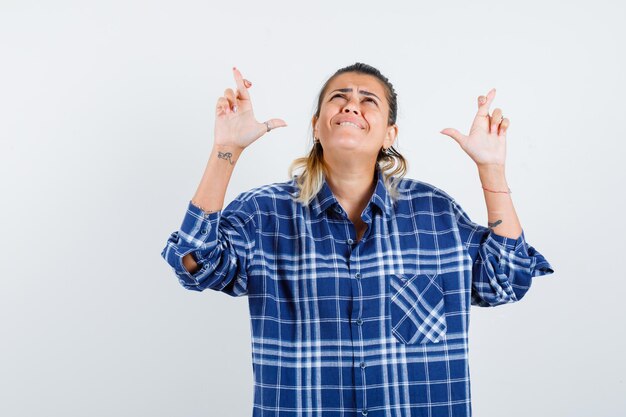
(106, 123)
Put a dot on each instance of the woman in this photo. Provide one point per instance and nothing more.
(359, 280)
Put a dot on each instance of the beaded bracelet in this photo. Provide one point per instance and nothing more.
(505, 192)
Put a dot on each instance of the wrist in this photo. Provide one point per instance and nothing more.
(227, 153)
(493, 177)
(235, 150)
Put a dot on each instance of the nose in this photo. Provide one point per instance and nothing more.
(351, 107)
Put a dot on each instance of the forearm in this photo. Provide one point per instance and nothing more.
(212, 189)
(501, 215)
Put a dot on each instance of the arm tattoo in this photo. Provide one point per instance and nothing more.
(494, 224)
(225, 155)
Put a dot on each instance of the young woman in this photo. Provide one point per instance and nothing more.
(359, 280)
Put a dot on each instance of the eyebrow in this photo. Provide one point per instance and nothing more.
(349, 90)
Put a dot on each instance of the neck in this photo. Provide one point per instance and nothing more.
(352, 186)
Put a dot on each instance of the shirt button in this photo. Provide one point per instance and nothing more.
(359, 321)
(350, 241)
(358, 275)
(203, 231)
(338, 209)
(362, 364)
(364, 412)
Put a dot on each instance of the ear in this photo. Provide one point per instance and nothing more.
(390, 138)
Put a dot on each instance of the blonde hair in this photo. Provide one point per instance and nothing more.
(392, 164)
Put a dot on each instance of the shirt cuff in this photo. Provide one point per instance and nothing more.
(508, 243)
(518, 253)
(198, 228)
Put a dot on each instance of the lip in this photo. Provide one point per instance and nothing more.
(351, 120)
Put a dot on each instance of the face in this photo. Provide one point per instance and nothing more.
(354, 99)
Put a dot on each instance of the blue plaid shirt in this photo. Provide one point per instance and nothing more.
(340, 327)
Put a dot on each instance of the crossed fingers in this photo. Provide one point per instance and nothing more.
(497, 123)
(230, 101)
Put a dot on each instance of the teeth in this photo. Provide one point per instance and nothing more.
(349, 124)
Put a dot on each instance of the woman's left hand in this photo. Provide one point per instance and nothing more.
(486, 143)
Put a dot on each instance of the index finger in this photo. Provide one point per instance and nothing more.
(242, 91)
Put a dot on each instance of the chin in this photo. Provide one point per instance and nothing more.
(345, 140)
(349, 147)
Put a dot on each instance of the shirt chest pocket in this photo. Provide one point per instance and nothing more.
(417, 308)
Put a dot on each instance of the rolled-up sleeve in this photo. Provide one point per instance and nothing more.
(502, 268)
(222, 243)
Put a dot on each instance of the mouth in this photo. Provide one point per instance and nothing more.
(349, 124)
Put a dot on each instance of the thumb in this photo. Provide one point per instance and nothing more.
(274, 123)
(454, 134)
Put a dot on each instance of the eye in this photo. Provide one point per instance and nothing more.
(365, 99)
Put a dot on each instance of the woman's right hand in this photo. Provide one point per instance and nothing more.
(235, 124)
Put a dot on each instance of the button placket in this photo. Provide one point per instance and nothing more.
(353, 259)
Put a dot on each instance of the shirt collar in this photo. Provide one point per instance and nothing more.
(380, 198)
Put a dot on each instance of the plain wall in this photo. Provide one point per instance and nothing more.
(106, 123)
